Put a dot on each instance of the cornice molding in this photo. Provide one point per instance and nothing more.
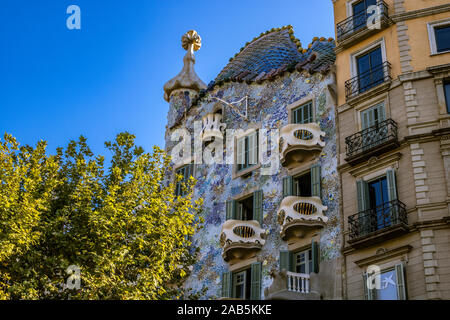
(397, 17)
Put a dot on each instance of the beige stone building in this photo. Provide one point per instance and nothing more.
(393, 120)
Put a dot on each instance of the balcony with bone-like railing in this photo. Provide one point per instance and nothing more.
(296, 215)
(241, 238)
(299, 142)
(212, 127)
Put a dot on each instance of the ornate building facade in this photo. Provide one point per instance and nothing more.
(261, 142)
(393, 118)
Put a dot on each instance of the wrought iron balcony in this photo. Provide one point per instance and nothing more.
(358, 24)
(212, 127)
(368, 80)
(239, 238)
(300, 141)
(378, 223)
(371, 141)
(297, 214)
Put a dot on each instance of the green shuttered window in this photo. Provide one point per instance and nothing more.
(247, 151)
(303, 114)
(234, 284)
(291, 189)
(186, 171)
(255, 292)
(258, 206)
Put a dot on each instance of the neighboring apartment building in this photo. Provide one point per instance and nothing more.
(393, 85)
(260, 225)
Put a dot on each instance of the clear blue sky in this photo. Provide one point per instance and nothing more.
(108, 77)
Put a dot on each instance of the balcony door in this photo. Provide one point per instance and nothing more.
(360, 15)
(372, 132)
(378, 199)
(370, 69)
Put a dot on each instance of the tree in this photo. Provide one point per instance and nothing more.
(123, 226)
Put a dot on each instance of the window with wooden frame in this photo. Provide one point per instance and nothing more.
(447, 95)
(392, 284)
(186, 172)
(305, 261)
(439, 36)
(243, 284)
(247, 208)
(247, 151)
(376, 205)
(303, 185)
(303, 114)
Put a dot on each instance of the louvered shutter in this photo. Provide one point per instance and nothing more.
(285, 260)
(226, 284)
(255, 292)
(287, 186)
(362, 189)
(231, 209)
(253, 148)
(258, 206)
(316, 180)
(392, 192)
(315, 256)
(240, 158)
(401, 283)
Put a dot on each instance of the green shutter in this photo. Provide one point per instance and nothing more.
(255, 292)
(231, 209)
(362, 190)
(240, 159)
(286, 260)
(315, 256)
(392, 192)
(258, 206)
(239, 211)
(253, 148)
(363, 205)
(401, 284)
(391, 184)
(315, 180)
(226, 284)
(287, 186)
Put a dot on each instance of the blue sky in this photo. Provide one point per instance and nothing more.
(108, 77)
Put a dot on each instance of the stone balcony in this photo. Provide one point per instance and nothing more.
(300, 142)
(297, 215)
(240, 239)
(212, 127)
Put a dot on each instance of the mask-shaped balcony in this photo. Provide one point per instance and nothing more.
(300, 142)
(297, 215)
(212, 127)
(240, 239)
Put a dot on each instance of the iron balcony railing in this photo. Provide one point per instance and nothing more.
(367, 80)
(358, 22)
(388, 214)
(367, 139)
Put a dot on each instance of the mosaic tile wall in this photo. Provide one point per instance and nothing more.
(267, 105)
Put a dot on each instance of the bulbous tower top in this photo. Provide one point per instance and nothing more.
(187, 78)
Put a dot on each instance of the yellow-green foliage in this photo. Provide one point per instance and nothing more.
(122, 226)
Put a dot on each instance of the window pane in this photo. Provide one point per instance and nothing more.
(302, 114)
(442, 38)
(388, 289)
(447, 96)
